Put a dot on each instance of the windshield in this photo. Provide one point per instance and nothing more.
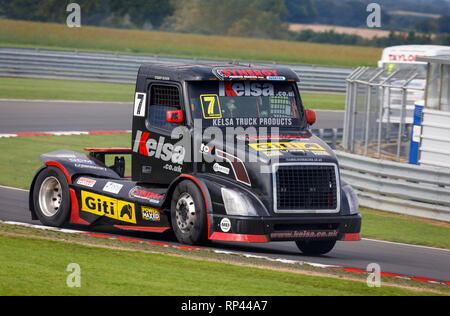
(420, 68)
(246, 103)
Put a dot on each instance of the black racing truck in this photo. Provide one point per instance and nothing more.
(218, 152)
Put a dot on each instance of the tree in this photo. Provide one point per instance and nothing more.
(43, 10)
(426, 26)
(444, 24)
(301, 11)
(254, 18)
(143, 11)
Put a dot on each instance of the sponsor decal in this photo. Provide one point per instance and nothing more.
(276, 78)
(93, 167)
(237, 165)
(207, 150)
(252, 121)
(225, 225)
(239, 73)
(113, 187)
(81, 161)
(177, 169)
(404, 57)
(162, 78)
(147, 169)
(287, 146)
(86, 182)
(141, 193)
(266, 137)
(320, 153)
(140, 102)
(246, 89)
(104, 206)
(221, 169)
(158, 149)
(150, 214)
(304, 235)
(211, 106)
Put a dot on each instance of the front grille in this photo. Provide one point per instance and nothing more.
(303, 187)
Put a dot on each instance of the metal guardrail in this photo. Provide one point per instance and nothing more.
(122, 68)
(332, 136)
(397, 187)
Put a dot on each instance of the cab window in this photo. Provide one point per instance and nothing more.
(163, 98)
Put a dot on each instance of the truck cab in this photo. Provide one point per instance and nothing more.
(220, 152)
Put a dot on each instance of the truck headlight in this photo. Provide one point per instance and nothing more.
(237, 204)
(352, 198)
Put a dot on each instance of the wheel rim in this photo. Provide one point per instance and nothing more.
(50, 196)
(185, 213)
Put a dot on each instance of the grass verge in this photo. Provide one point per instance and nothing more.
(44, 89)
(111, 267)
(59, 36)
(19, 160)
(405, 229)
(19, 157)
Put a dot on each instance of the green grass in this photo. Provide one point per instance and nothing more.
(333, 102)
(19, 157)
(37, 267)
(59, 36)
(44, 89)
(405, 229)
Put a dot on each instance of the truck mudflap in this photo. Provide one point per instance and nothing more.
(262, 230)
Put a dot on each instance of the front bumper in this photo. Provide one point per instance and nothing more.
(266, 229)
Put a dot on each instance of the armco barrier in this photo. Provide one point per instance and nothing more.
(397, 187)
(121, 68)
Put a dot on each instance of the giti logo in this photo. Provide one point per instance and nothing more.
(104, 206)
(286, 146)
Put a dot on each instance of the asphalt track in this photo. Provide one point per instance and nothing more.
(17, 116)
(414, 261)
(42, 116)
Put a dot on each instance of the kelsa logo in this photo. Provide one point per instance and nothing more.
(104, 206)
(245, 89)
(150, 147)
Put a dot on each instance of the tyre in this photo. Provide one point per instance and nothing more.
(188, 214)
(51, 197)
(313, 247)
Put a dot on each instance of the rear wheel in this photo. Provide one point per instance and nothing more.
(51, 197)
(314, 247)
(188, 214)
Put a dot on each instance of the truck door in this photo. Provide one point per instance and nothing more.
(157, 158)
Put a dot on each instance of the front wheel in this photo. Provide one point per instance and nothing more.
(51, 197)
(315, 248)
(188, 214)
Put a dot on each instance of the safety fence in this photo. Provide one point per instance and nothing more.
(122, 68)
(398, 187)
(379, 111)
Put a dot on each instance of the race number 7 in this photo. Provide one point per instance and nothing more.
(211, 106)
(139, 104)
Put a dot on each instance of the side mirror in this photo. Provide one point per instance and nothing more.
(310, 117)
(175, 117)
